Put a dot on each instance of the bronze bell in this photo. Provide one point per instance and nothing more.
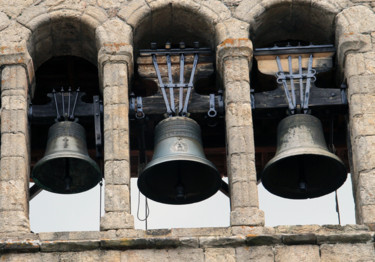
(179, 172)
(302, 167)
(66, 167)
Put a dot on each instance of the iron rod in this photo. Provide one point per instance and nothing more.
(170, 84)
(283, 80)
(169, 112)
(292, 81)
(181, 95)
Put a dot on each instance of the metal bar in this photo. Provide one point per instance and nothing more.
(98, 133)
(139, 114)
(281, 77)
(277, 50)
(212, 112)
(169, 112)
(181, 95)
(300, 81)
(308, 83)
(175, 51)
(69, 91)
(74, 105)
(57, 108)
(170, 85)
(190, 85)
(34, 190)
(292, 81)
(62, 101)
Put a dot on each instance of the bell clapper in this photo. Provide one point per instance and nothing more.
(67, 178)
(302, 176)
(180, 192)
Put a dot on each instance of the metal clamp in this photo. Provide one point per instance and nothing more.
(182, 51)
(139, 114)
(98, 132)
(304, 91)
(212, 112)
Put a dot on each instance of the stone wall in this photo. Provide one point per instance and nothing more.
(106, 32)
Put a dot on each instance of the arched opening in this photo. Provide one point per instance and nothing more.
(294, 54)
(66, 80)
(175, 31)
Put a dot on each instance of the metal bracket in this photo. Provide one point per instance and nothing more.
(181, 52)
(304, 91)
(98, 133)
(212, 112)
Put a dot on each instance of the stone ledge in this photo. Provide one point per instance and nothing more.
(186, 238)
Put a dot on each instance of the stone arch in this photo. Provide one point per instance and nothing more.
(62, 32)
(175, 21)
(311, 21)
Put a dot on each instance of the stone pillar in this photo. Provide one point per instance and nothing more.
(116, 147)
(355, 29)
(233, 57)
(14, 167)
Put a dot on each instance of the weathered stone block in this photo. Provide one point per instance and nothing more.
(8, 148)
(13, 168)
(117, 198)
(116, 220)
(263, 240)
(14, 121)
(297, 253)
(116, 117)
(242, 167)
(13, 196)
(362, 125)
(342, 237)
(69, 245)
(204, 231)
(244, 194)
(238, 114)
(167, 255)
(247, 217)
(361, 84)
(236, 69)
(361, 104)
(237, 92)
(231, 28)
(255, 253)
(220, 255)
(13, 102)
(115, 75)
(117, 172)
(299, 239)
(251, 230)
(115, 95)
(14, 221)
(134, 12)
(240, 140)
(367, 188)
(116, 144)
(368, 216)
(30, 257)
(14, 77)
(362, 153)
(231, 241)
(347, 252)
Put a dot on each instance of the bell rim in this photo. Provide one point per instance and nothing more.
(341, 175)
(72, 155)
(214, 172)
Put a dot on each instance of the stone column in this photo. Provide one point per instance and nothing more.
(355, 30)
(116, 147)
(14, 167)
(233, 57)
